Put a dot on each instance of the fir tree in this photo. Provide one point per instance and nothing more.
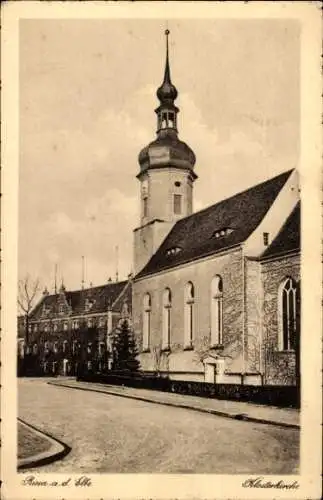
(125, 350)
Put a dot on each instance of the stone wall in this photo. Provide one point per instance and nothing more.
(229, 267)
(253, 317)
(279, 365)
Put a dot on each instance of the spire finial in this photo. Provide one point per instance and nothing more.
(167, 92)
(167, 69)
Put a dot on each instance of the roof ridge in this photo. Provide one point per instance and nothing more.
(90, 288)
(235, 195)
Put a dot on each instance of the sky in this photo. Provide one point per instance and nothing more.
(87, 94)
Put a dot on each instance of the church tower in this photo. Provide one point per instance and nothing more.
(166, 176)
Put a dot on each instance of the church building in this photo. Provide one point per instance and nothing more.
(216, 293)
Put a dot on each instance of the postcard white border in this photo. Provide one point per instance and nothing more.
(171, 486)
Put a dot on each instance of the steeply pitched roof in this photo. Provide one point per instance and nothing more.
(288, 239)
(220, 226)
(101, 297)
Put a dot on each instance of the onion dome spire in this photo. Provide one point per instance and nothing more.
(167, 92)
(167, 149)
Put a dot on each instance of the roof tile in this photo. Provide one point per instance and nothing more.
(288, 239)
(101, 297)
(198, 234)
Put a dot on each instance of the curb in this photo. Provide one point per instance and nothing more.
(57, 451)
(236, 416)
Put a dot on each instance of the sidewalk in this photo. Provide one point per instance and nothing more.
(53, 449)
(283, 417)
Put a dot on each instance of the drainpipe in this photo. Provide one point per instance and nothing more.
(261, 329)
(243, 316)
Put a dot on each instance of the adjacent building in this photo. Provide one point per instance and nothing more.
(73, 327)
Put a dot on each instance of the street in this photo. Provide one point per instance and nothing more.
(113, 434)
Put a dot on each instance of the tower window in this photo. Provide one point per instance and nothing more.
(145, 202)
(164, 120)
(177, 204)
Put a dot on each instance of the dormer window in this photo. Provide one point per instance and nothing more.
(45, 310)
(173, 251)
(89, 303)
(220, 233)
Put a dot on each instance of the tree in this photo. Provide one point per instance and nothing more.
(27, 295)
(124, 349)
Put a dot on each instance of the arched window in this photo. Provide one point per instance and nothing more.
(171, 119)
(35, 349)
(164, 120)
(146, 322)
(288, 314)
(55, 347)
(101, 348)
(167, 305)
(188, 314)
(65, 346)
(216, 311)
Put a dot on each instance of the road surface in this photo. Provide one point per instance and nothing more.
(113, 435)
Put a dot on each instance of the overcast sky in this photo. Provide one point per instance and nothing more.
(87, 100)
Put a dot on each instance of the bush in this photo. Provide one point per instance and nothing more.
(282, 396)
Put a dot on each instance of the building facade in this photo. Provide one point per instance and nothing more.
(75, 327)
(216, 293)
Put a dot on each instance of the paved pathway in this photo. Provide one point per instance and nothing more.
(114, 434)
